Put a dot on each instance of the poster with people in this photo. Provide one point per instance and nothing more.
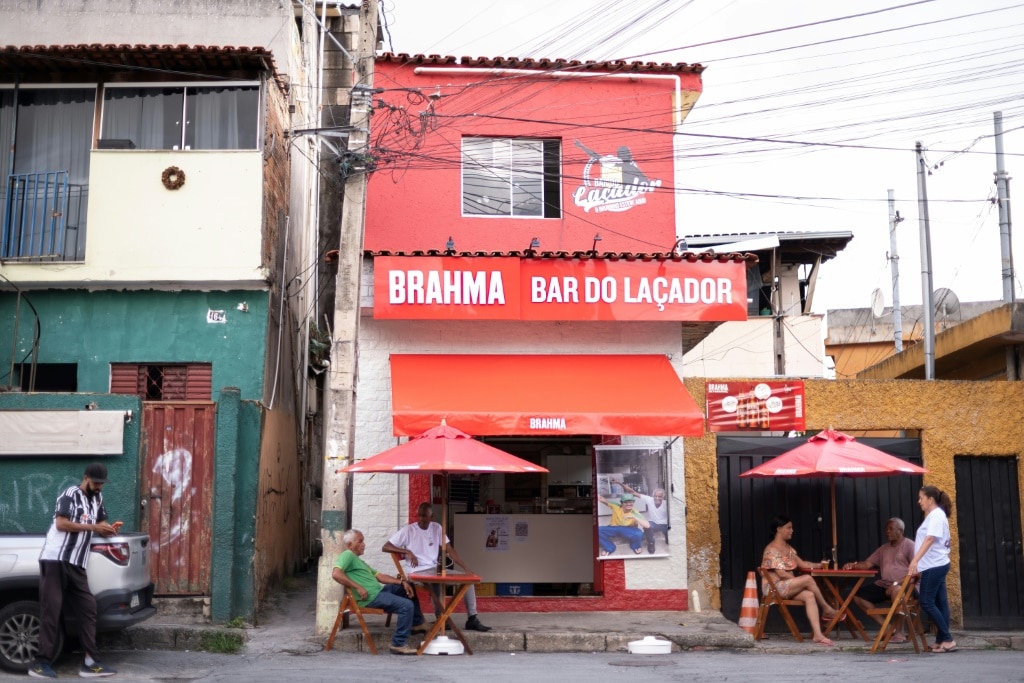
(497, 530)
(632, 502)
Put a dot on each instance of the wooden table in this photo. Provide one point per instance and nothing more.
(463, 582)
(828, 579)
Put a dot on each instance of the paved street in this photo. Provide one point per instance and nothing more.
(537, 668)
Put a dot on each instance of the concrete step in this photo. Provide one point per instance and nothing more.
(181, 610)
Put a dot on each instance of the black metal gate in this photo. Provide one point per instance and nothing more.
(746, 506)
(987, 512)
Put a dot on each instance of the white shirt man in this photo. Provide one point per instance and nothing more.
(419, 545)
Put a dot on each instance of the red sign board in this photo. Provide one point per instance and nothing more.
(755, 406)
(489, 288)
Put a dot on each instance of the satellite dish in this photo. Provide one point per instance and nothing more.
(947, 304)
(877, 303)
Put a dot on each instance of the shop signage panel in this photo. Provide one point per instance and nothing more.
(755, 406)
(487, 288)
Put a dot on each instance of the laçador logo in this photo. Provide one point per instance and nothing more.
(616, 184)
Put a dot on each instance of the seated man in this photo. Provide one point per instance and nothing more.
(395, 597)
(419, 544)
(892, 559)
(657, 514)
(625, 522)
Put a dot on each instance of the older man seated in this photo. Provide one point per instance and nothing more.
(625, 522)
(374, 589)
(891, 559)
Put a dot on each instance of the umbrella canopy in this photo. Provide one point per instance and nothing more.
(833, 454)
(442, 450)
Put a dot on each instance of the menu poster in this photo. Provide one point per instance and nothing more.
(496, 528)
(755, 406)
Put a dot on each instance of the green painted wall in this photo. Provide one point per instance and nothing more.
(94, 329)
(29, 485)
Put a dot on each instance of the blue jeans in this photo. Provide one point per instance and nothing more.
(392, 599)
(934, 601)
(606, 534)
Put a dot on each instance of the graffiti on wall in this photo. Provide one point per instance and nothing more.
(27, 501)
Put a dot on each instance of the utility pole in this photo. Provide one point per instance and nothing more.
(894, 262)
(926, 264)
(1005, 243)
(340, 403)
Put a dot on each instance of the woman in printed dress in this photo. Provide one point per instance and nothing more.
(781, 560)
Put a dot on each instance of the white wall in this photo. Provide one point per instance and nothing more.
(380, 503)
(746, 349)
(240, 23)
(139, 232)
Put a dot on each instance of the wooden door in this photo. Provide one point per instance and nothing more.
(177, 492)
(987, 510)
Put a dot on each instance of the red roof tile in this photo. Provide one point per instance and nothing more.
(543, 64)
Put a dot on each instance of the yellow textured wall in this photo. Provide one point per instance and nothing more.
(954, 418)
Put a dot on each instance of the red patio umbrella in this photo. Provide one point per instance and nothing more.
(833, 454)
(443, 450)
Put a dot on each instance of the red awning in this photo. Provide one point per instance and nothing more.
(490, 395)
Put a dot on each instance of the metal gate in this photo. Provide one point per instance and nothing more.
(987, 512)
(746, 506)
(177, 493)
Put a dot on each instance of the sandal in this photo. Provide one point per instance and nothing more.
(824, 641)
(898, 638)
(948, 647)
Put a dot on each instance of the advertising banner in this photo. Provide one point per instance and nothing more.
(755, 406)
(499, 288)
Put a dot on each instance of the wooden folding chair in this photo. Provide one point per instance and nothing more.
(904, 604)
(771, 597)
(348, 606)
(400, 573)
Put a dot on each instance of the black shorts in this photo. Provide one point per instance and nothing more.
(872, 592)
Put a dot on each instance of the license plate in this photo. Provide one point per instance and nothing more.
(135, 600)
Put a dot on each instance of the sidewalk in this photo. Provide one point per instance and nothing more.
(286, 625)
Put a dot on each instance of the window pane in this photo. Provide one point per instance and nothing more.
(486, 189)
(527, 177)
(222, 118)
(149, 117)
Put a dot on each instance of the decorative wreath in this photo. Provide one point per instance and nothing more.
(172, 177)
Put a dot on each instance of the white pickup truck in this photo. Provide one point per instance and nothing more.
(118, 576)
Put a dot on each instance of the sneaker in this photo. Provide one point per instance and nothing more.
(41, 668)
(402, 650)
(474, 624)
(96, 670)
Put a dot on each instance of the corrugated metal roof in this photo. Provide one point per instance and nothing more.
(544, 64)
(107, 62)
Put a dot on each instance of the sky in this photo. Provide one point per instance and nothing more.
(822, 103)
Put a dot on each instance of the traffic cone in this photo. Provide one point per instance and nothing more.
(748, 608)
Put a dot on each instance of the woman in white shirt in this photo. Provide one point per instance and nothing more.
(931, 561)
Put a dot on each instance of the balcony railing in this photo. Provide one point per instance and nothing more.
(42, 215)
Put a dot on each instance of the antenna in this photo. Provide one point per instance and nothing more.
(877, 303)
(947, 305)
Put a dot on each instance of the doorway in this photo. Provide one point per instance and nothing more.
(987, 511)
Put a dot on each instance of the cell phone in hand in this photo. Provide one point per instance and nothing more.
(117, 525)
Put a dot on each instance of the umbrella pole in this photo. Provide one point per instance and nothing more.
(444, 524)
(835, 536)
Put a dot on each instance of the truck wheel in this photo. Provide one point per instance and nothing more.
(19, 635)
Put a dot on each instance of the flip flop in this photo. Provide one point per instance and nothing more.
(952, 647)
(638, 551)
(899, 638)
(825, 642)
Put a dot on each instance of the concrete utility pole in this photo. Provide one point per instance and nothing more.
(1005, 243)
(894, 262)
(926, 265)
(340, 404)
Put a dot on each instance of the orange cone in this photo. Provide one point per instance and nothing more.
(748, 608)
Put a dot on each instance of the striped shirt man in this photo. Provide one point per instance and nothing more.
(73, 546)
